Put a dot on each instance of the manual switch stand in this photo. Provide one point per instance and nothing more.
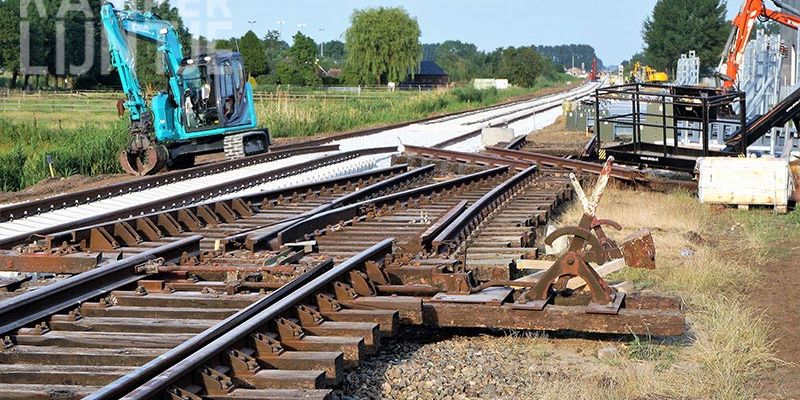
(638, 251)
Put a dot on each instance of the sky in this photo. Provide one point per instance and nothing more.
(612, 27)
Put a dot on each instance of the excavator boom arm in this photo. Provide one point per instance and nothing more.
(742, 28)
(147, 26)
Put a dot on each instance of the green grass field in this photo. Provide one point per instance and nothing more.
(83, 134)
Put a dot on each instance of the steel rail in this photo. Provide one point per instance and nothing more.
(187, 365)
(31, 208)
(141, 375)
(36, 305)
(301, 229)
(75, 236)
(476, 158)
(249, 239)
(623, 173)
(196, 195)
(472, 134)
(548, 106)
(432, 119)
(468, 220)
(517, 143)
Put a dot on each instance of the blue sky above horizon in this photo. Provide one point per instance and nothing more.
(612, 27)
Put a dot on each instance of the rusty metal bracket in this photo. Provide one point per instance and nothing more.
(574, 263)
(267, 346)
(177, 393)
(215, 382)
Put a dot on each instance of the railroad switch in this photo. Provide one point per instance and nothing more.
(589, 243)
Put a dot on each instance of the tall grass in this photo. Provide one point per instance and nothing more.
(289, 117)
(89, 150)
(728, 346)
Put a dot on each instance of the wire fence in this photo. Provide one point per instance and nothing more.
(101, 101)
(53, 105)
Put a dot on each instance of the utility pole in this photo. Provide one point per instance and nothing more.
(321, 44)
(280, 23)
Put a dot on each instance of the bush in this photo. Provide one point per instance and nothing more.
(90, 150)
(471, 95)
(11, 168)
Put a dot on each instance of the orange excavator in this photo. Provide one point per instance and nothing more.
(743, 23)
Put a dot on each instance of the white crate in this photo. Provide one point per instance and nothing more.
(745, 181)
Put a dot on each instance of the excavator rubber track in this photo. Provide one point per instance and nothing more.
(245, 144)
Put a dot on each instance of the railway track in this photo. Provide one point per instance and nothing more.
(83, 249)
(277, 304)
(293, 170)
(19, 220)
(272, 294)
(500, 156)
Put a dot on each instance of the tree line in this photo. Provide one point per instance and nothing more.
(55, 44)
(381, 45)
(464, 61)
(677, 26)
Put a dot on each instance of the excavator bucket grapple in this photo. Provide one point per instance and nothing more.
(144, 162)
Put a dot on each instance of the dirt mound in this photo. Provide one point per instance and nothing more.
(54, 186)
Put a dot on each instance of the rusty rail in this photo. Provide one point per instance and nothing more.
(36, 305)
(251, 239)
(214, 213)
(318, 222)
(36, 207)
(197, 195)
(517, 143)
(457, 232)
(202, 343)
(622, 173)
(474, 158)
(85, 248)
(296, 342)
(251, 320)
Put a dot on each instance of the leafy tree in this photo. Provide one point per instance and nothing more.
(460, 60)
(300, 67)
(522, 66)
(225, 44)
(382, 45)
(677, 26)
(274, 47)
(253, 54)
(9, 38)
(562, 55)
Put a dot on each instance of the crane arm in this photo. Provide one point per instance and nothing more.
(146, 26)
(743, 24)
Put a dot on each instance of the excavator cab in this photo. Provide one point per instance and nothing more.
(214, 92)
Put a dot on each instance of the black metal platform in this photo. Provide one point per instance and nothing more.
(681, 109)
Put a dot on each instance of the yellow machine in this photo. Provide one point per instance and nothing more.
(645, 74)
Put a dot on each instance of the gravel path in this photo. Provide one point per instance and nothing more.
(454, 365)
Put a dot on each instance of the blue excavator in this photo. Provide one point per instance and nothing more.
(206, 107)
